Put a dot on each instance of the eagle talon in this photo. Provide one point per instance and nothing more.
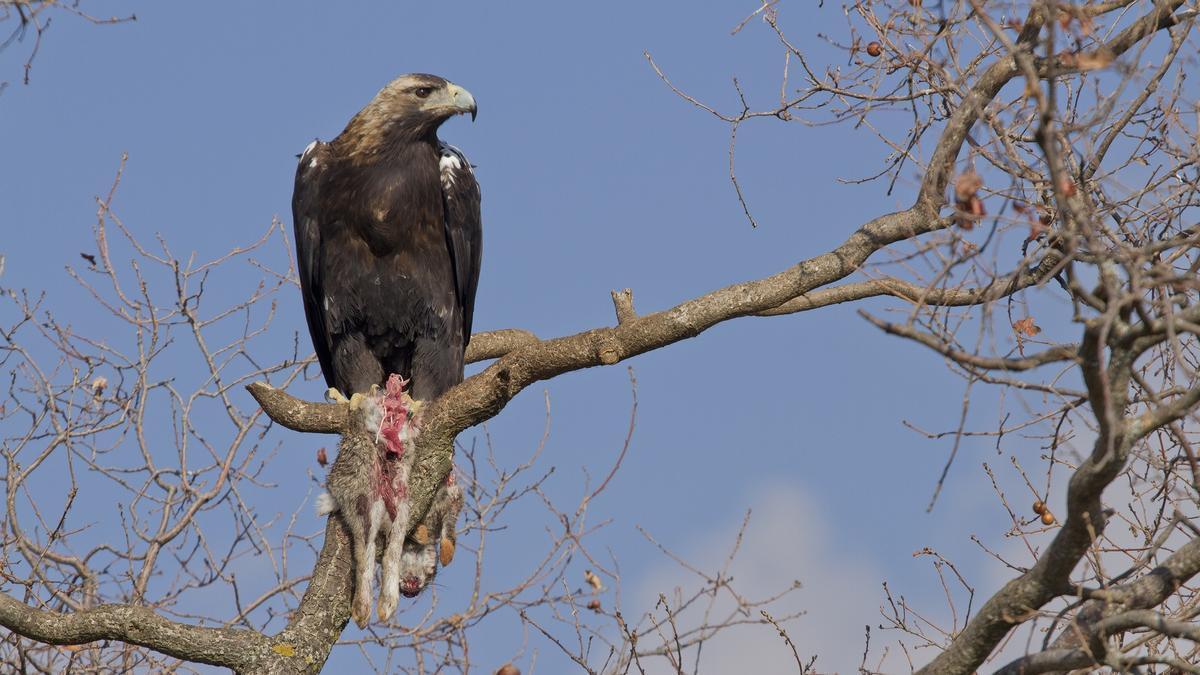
(335, 396)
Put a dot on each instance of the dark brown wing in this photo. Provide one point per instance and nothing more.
(306, 221)
(464, 228)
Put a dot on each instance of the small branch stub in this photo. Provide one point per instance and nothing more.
(623, 303)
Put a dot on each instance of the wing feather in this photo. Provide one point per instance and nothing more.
(464, 229)
(306, 220)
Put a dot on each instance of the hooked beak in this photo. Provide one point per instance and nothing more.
(461, 101)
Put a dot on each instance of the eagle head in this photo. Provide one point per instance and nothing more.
(409, 107)
(421, 100)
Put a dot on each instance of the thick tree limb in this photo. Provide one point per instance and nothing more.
(302, 647)
(1063, 659)
(497, 343)
(485, 394)
(231, 647)
(1150, 590)
(298, 414)
(1048, 661)
(312, 630)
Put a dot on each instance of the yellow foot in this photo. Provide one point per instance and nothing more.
(334, 395)
(356, 401)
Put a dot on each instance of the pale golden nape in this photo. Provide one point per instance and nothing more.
(412, 105)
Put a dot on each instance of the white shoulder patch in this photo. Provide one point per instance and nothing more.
(452, 159)
(312, 163)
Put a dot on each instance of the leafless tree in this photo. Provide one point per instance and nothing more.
(1055, 148)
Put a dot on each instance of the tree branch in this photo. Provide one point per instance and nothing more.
(229, 647)
(1001, 287)
(300, 415)
(497, 343)
(1068, 352)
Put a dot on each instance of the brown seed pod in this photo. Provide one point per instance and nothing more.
(1039, 507)
(508, 669)
(594, 605)
(1047, 518)
(874, 49)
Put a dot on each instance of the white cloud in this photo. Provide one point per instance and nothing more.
(788, 539)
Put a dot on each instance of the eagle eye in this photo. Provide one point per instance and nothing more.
(423, 92)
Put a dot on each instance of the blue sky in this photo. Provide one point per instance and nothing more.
(595, 176)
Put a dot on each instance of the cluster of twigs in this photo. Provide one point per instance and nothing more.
(27, 21)
(1067, 278)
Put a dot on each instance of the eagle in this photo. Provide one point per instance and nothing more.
(388, 242)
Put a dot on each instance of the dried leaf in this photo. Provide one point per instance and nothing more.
(1039, 224)
(970, 211)
(1027, 327)
(1036, 229)
(322, 457)
(967, 185)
